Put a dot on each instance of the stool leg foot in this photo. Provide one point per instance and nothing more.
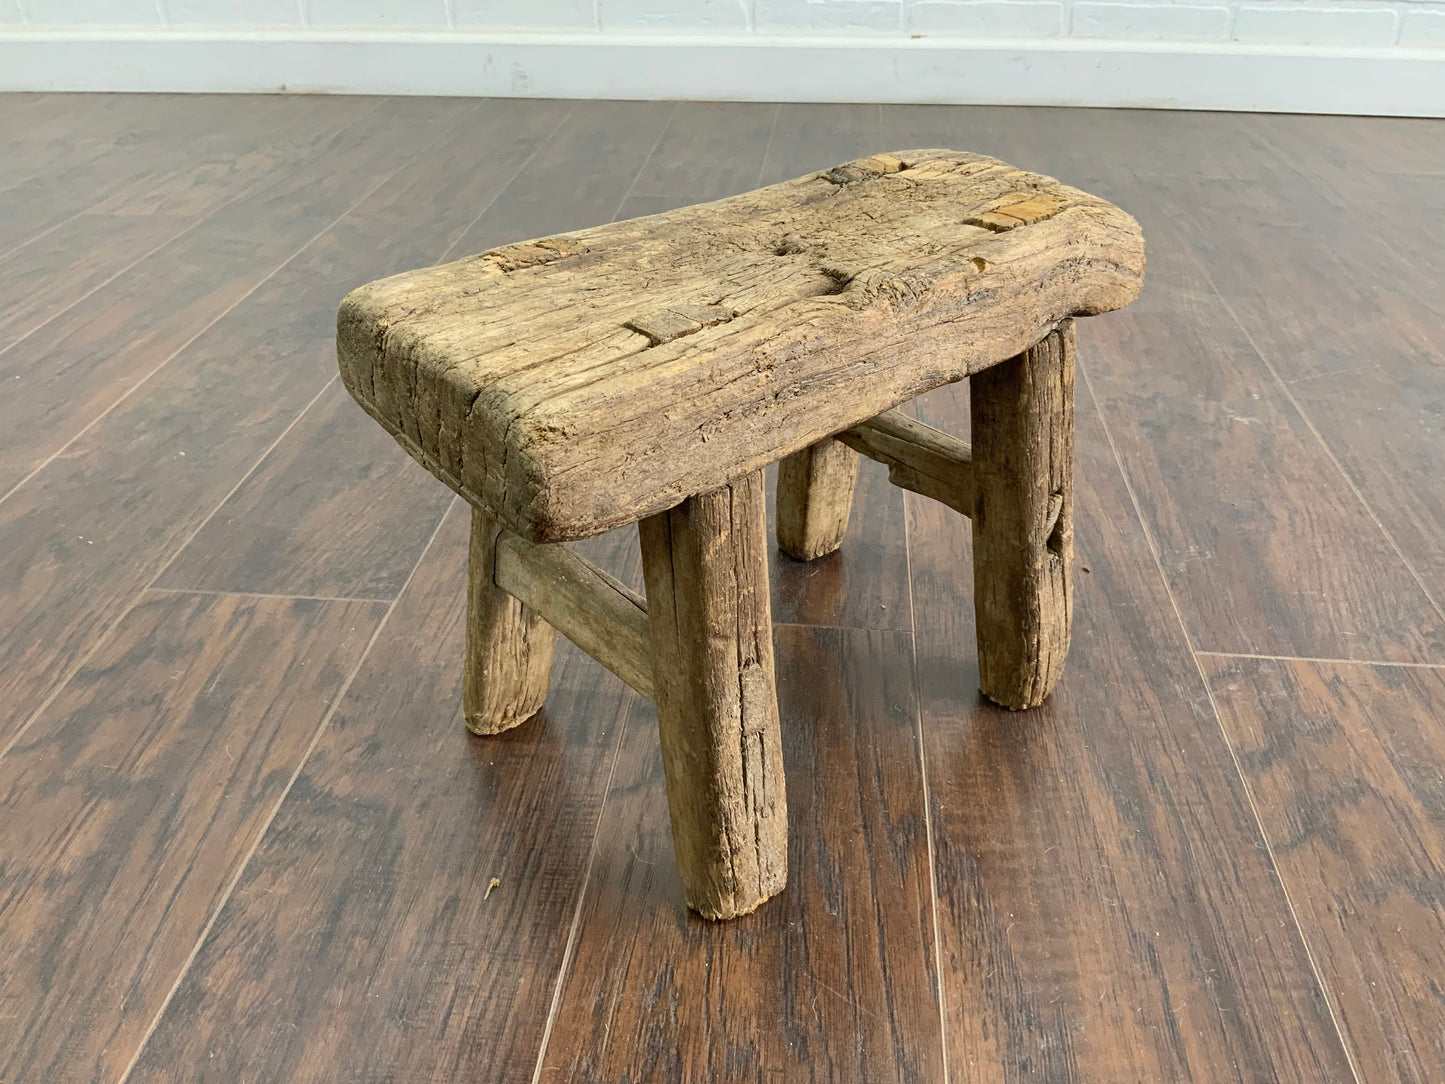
(509, 647)
(706, 567)
(815, 496)
(1023, 520)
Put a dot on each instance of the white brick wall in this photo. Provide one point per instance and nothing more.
(1135, 21)
(829, 16)
(1335, 24)
(533, 15)
(1410, 23)
(93, 12)
(207, 13)
(669, 14)
(1424, 25)
(987, 18)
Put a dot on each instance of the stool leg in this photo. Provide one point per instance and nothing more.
(815, 495)
(509, 647)
(1023, 519)
(706, 567)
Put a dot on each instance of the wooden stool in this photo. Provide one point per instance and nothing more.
(649, 370)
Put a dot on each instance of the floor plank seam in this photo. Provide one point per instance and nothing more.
(265, 594)
(840, 628)
(42, 172)
(1321, 659)
(240, 482)
(276, 808)
(1299, 409)
(542, 144)
(648, 158)
(1224, 735)
(317, 598)
(102, 639)
(217, 319)
(933, 903)
(245, 191)
(570, 947)
(767, 148)
(391, 604)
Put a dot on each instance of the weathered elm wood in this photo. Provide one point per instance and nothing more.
(815, 498)
(870, 588)
(603, 617)
(509, 645)
(581, 382)
(1022, 418)
(918, 457)
(705, 564)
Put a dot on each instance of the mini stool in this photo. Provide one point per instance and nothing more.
(649, 370)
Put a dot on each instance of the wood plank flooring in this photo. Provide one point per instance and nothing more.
(243, 835)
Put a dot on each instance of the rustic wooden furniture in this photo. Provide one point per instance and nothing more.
(649, 370)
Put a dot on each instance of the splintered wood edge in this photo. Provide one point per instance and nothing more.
(537, 475)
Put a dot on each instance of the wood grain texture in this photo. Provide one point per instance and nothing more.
(1343, 762)
(602, 616)
(363, 942)
(58, 132)
(804, 308)
(93, 527)
(865, 584)
(52, 165)
(103, 345)
(126, 810)
(705, 563)
(334, 510)
(259, 147)
(815, 498)
(1021, 415)
(831, 981)
(337, 508)
(708, 150)
(1294, 566)
(578, 179)
(509, 644)
(1108, 913)
(919, 458)
(43, 278)
(862, 584)
(1107, 908)
(126, 151)
(1364, 363)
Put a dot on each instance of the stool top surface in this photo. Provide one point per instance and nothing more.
(577, 383)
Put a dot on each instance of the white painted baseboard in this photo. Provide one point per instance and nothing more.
(1381, 81)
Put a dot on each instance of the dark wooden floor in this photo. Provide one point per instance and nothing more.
(244, 837)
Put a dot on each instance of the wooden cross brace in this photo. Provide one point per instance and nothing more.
(700, 646)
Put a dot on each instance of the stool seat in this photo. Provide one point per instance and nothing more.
(581, 382)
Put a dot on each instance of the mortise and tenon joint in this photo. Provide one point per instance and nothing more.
(647, 371)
